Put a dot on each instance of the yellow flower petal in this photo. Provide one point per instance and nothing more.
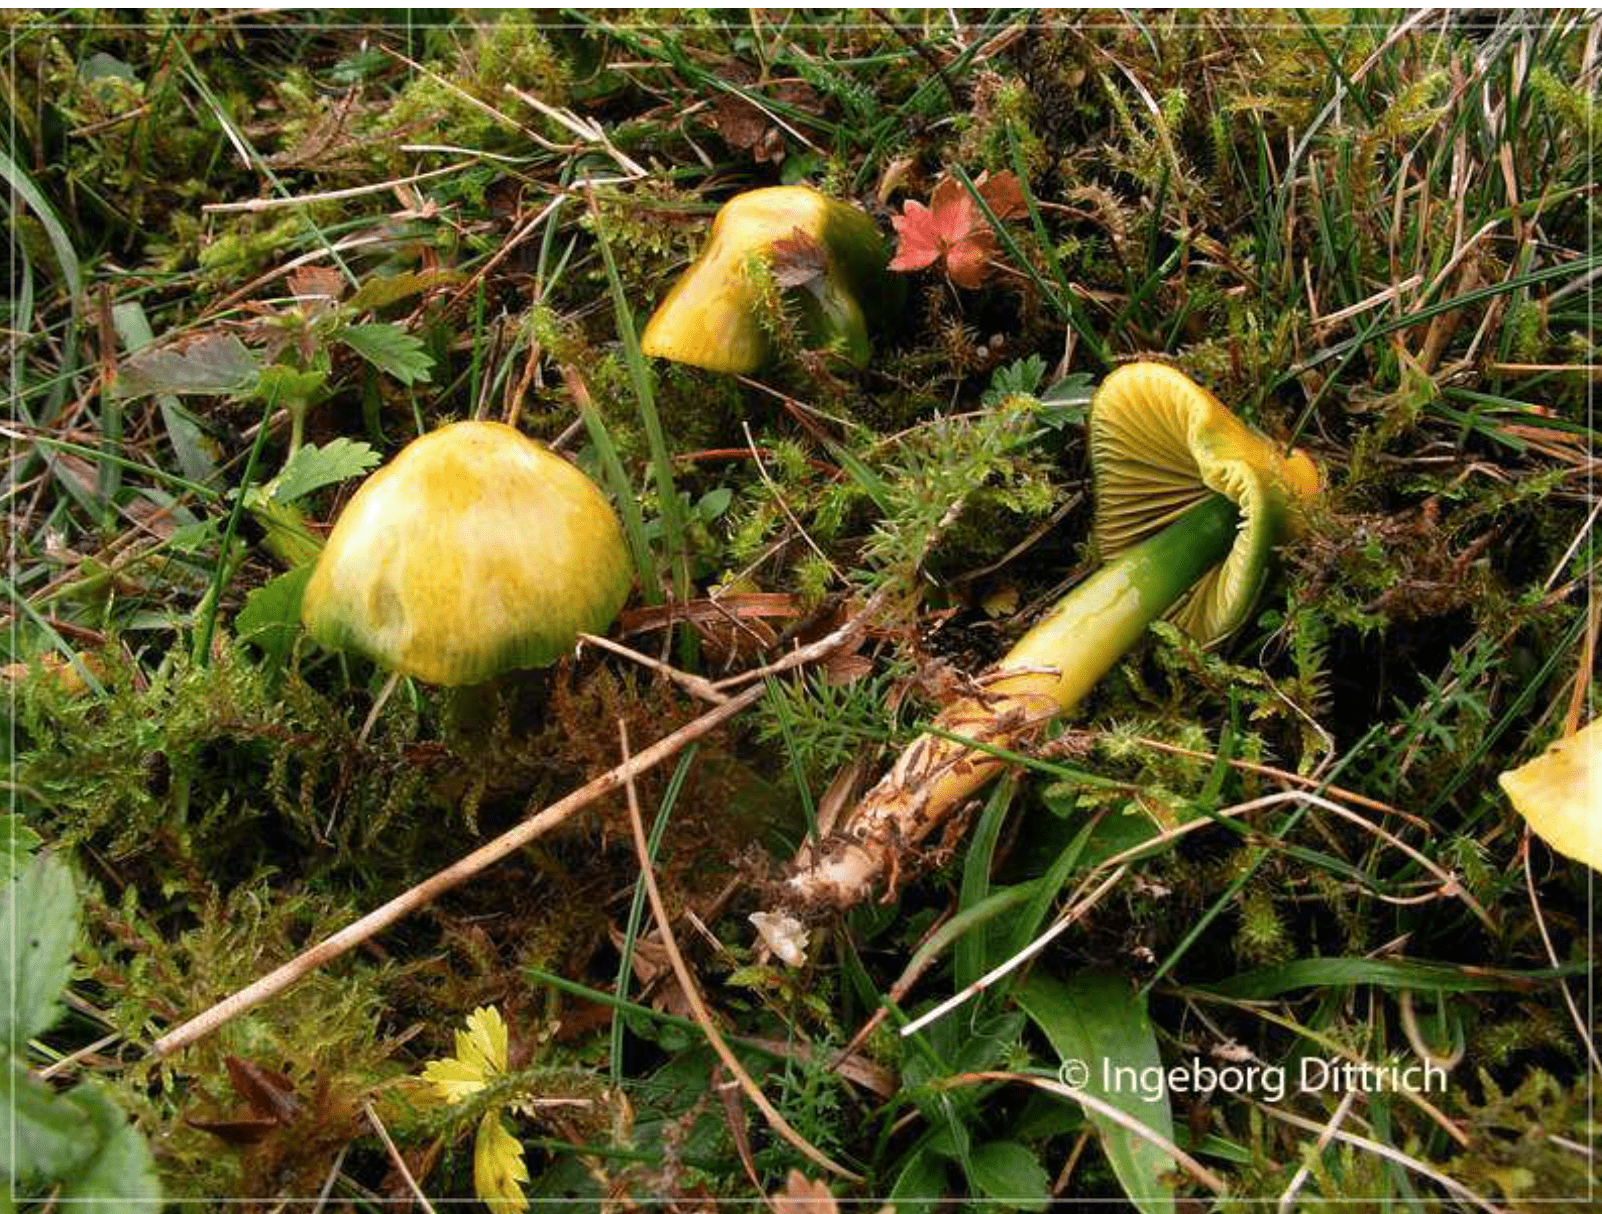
(453, 1079)
(499, 1172)
(1560, 794)
(484, 1042)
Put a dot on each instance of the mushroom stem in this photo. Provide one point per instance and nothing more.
(1046, 673)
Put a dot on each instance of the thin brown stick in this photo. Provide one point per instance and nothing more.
(395, 1155)
(1094, 1104)
(692, 993)
(692, 683)
(355, 191)
(811, 653)
(1552, 955)
(1289, 777)
(421, 895)
(1384, 1151)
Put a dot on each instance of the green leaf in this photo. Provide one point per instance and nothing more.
(1096, 1022)
(42, 1136)
(1020, 378)
(311, 468)
(1067, 402)
(39, 911)
(284, 385)
(17, 178)
(391, 349)
(189, 442)
(285, 533)
(1008, 1172)
(921, 1184)
(120, 1178)
(271, 614)
(218, 365)
(17, 843)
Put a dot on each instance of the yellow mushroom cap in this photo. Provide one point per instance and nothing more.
(710, 317)
(1559, 794)
(1159, 444)
(476, 550)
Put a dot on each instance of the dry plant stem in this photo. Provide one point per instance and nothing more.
(692, 683)
(470, 865)
(1384, 1151)
(1101, 1107)
(395, 1155)
(692, 992)
(1287, 1199)
(812, 652)
(355, 191)
(1551, 954)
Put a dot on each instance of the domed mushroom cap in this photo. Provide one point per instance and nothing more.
(710, 317)
(1159, 444)
(476, 550)
(1559, 794)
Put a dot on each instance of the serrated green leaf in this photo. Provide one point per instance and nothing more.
(39, 910)
(42, 1136)
(120, 1177)
(218, 365)
(391, 349)
(1019, 378)
(285, 385)
(17, 843)
(311, 468)
(271, 614)
(1096, 1021)
(1008, 1172)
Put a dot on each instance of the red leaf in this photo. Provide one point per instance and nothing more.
(952, 228)
(920, 245)
(1002, 194)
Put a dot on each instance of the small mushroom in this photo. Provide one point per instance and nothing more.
(1559, 793)
(1190, 505)
(829, 253)
(475, 551)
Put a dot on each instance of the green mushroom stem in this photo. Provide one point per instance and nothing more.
(1190, 505)
(1045, 674)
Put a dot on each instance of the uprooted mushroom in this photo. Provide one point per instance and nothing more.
(1190, 506)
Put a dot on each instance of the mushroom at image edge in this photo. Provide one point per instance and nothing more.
(1559, 793)
(1190, 505)
(475, 551)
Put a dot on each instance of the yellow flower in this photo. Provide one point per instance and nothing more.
(499, 1171)
(480, 1056)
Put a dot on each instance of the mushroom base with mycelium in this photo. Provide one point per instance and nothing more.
(1190, 504)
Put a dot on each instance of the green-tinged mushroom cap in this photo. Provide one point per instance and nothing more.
(828, 251)
(1559, 794)
(475, 551)
(1159, 445)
